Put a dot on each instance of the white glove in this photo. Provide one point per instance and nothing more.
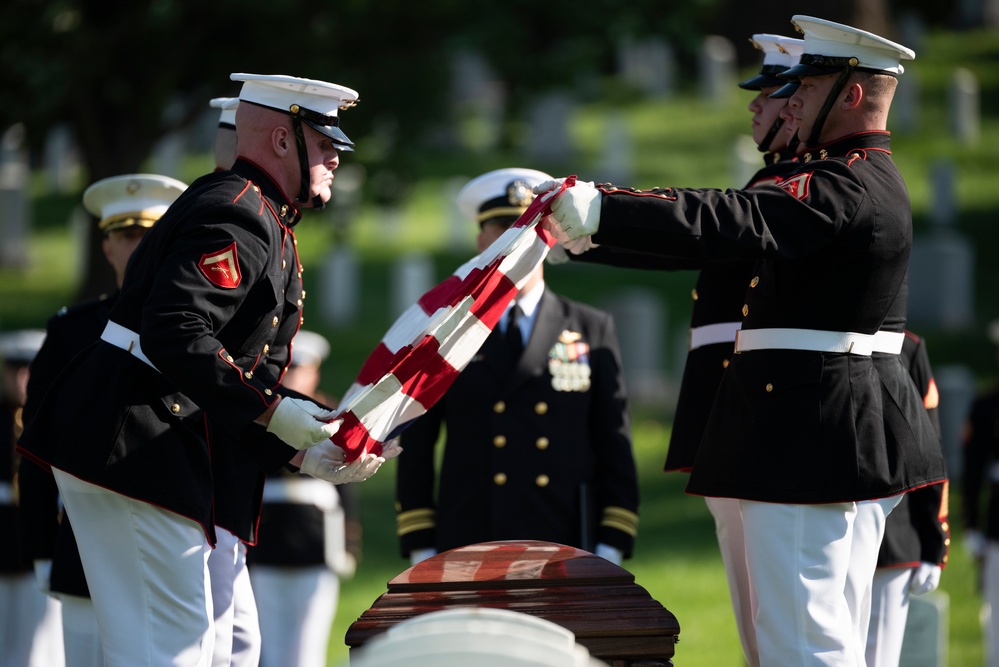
(417, 555)
(43, 574)
(610, 553)
(302, 424)
(974, 542)
(576, 212)
(546, 188)
(925, 578)
(328, 462)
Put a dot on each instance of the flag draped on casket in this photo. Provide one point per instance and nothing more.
(424, 350)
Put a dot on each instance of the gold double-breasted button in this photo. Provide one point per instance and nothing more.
(769, 387)
(945, 526)
(267, 392)
(693, 294)
(283, 264)
(299, 303)
(755, 281)
(267, 348)
(499, 407)
(274, 322)
(175, 408)
(499, 479)
(541, 443)
(303, 294)
(541, 408)
(228, 358)
(248, 375)
(542, 481)
(724, 363)
(284, 210)
(499, 441)
(745, 310)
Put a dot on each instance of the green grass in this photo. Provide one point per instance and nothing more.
(680, 142)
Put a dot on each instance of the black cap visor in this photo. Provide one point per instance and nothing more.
(340, 140)
(785, 91)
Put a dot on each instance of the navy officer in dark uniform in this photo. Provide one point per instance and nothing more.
(538, 439)
(197, 341)
(805, 432)
(126, 207)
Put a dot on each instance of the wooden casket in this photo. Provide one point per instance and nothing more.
(600, 603)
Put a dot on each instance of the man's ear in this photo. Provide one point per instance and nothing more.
(853, 93)
(281, 141)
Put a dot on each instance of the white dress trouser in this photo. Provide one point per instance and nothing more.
(889, 610)
(148, 577)
(237, 633)
(727, 513)
(30, 633)
(80, 633)
(811, 568)
(296, 607)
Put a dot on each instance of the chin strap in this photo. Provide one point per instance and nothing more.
(820, 120)
(303, 160)
(764, 145)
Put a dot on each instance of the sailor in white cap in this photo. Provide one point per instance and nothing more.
(538, 439)
(31, 633)
(125, 207)
(188, 366)
(816, 427)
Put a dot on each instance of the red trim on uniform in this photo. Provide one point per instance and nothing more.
(224, 356)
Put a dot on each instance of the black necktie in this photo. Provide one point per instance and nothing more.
(513, 336)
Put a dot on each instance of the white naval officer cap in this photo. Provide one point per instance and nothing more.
(20, 347)
(779, 54)
(315, 102)
(131, 200)
(829, 47)
(309, 348)
(227, 105)
(499, 193)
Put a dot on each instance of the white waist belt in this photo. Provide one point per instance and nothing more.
(815, 340)
(301, 491)
(710, 334)
(127, 340)
(6, 493)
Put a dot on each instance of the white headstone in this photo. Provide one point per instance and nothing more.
(15, 216)
(412, 276)
(904, 115)
(746, 160)
(478, 102)
(548, 128)
(618, 156)
(640, 320)
(943, 185)
(461, 231)
(941, 282)
(956, 385)
(648, 65)
(340, 286)
(926, 635)
(61, 160)
(167, 155)
(716, 68)
(965, 106)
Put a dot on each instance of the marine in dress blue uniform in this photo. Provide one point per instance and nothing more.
(804, 429)
(538, 442)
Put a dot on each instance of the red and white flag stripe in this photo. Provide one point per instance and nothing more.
(424, 350)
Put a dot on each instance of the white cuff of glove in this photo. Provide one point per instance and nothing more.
(974, 542)
(328, 462)
(925, 578)
(418, 555)
(607, 552)
(576, 212)
(302, 424)
(43, 574)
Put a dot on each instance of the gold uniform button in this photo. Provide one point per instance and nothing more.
(945, 558)
(248, 375)
(274, 322)
(175, 408)
(541, 443)
(499, 441)
(945, 526)
(267, 348)
(284, 210)
(755, 281)
(499, 407)
(299, 303)
(295, 241)
(770, 387)
(303, 294)
(283, 264)
(693, 294)
(267, 392)
(542, 481)
(724, 363)
(541, 408)
(499, 479)
(229, 358)
(745, 310)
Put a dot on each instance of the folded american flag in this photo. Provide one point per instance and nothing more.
(424, 350)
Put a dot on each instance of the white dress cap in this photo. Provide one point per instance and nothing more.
(309, 348)
(831, 46)
(499, 192)
(131, 199)
(318, 98)
(228, 106)
(20, 347)
(776, 58)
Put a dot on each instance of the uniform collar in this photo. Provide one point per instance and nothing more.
(875, 139)
(283, 206)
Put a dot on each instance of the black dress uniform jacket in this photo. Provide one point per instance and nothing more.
(918, 529)
(525, 459)
(216, 301)
(831, 240)
(981, 454)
